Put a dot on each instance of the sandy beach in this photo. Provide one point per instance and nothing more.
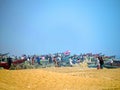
(63, 78)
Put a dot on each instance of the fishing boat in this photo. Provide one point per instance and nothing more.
(6, 62)
(6, 65)
(115, 64)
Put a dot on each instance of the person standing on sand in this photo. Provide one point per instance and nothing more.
(70, 61)
(33, 60)
(38, 60)
(98, 64)
(111, 62)
(55, 61)
(101, 62)
(9, 61)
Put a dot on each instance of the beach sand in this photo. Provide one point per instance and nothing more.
(63, 78)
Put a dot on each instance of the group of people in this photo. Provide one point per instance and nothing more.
(100, 62)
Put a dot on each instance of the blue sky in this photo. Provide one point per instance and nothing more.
(49, 26)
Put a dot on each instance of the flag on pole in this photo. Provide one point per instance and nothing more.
(67, 52)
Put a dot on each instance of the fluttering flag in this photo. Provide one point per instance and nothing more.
(67, 52)
(43, 58)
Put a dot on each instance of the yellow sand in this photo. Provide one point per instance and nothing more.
(70, 78)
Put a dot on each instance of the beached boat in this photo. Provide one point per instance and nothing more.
(6, 65)
(116, 64)
(6, 61)
(110, 67)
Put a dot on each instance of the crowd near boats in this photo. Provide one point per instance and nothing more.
(64, 59)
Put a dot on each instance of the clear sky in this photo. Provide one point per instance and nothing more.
(50, 26)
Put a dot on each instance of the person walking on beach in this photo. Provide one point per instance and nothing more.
(98, 63)
(101, 62)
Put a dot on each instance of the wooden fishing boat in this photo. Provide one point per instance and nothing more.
(116, 64)
(6, 65)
